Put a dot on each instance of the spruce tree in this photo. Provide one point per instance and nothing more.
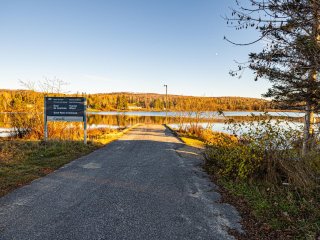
(290, 58)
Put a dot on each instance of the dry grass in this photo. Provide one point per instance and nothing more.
(193, 142)
(23, 160)
(281, 188)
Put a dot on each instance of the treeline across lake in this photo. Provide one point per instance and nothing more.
(22, 100)
(150, 101)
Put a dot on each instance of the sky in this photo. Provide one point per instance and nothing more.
(100, 46)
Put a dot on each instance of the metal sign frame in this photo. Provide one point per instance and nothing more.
(66, 109)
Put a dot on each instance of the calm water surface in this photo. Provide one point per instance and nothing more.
(115, 120)
(173, 114)
(222, 127)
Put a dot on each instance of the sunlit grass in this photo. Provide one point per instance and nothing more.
(193, 142)
(23, 160)
(283, 203)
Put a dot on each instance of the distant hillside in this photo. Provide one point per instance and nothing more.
(21, 100)
(154, 101)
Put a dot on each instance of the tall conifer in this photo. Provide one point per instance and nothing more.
(290, 58)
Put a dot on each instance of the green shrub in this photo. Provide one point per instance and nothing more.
(233, 159)
(267, 149)
(264, 165)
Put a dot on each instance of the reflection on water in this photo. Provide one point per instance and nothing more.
(122, 120)
(126, 119)
(216, 114)
(96, 126)
(175, 119)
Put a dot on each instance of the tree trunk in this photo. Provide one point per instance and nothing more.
(308, 129)
(309, 112)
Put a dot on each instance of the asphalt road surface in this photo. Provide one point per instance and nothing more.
(146, 185)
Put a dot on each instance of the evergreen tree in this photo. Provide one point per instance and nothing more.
(124, 102)
(290, 58)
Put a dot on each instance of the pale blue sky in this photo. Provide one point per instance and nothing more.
(124, 45)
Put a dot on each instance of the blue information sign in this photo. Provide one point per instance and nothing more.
(70, 109)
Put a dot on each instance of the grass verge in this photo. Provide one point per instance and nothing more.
(188, 139)
(268, 210)
(22, 161)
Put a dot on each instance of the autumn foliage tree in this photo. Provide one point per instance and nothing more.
(290, 58)
(23, 100)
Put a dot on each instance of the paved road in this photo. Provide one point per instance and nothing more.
(147, 185)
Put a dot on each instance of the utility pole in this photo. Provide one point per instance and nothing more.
(166, 86)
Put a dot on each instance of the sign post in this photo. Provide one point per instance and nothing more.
(65, 109)
(85, 121)
(45, 123)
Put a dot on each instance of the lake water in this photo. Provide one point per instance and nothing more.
(125, 119)
(223, 127)
(226, 114)
(6, 132)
